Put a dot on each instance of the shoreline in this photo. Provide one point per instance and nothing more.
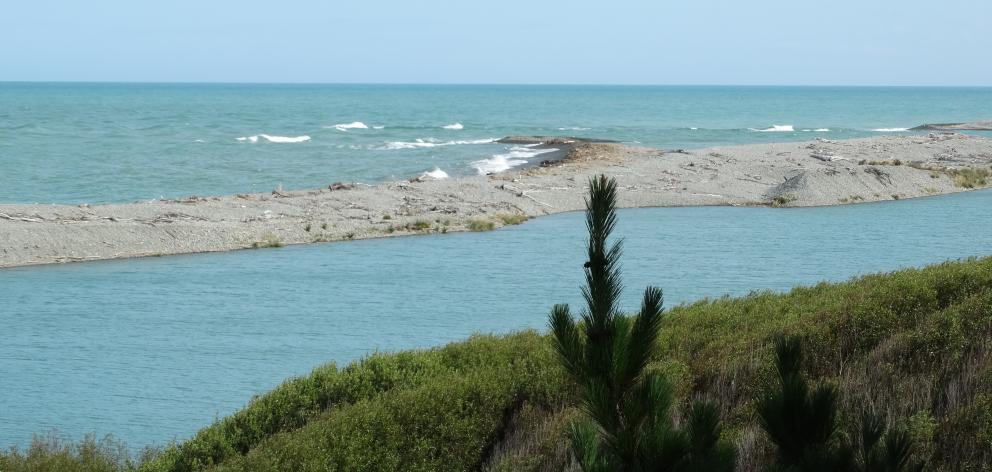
(795, 174)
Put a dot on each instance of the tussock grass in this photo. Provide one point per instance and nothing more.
(511, 219)
(889, 162)
(480, 225)
(269, 240)
(970, 178)
(964, 178)
(782, 200)
(419, 225)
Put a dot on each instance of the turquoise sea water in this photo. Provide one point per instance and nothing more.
(153, 349)
(72, 143)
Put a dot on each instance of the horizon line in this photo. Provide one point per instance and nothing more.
(491, 84)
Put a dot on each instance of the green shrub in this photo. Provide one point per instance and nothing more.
(511, 219)
(970, 178)
(329, 395)
(914, 343)
(480, 225)
(419, 225)
(50, 453)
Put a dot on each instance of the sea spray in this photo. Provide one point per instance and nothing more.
(348, 126)
(275, 139)
(517, 156)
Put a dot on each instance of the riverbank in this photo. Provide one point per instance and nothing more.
(503, 403)
(813, 173)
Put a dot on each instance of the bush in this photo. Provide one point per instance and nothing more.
(50, 453)
(970, 178)
(913, 344)
(480, 225)
(511, 219)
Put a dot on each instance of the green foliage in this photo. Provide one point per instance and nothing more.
(782, 200)
(913, 343)
(970, 178)
(801, 422)
(50, 453)
(893, 454)
(628, 424)
(804, 426)
(421, 409)
(480, 225)
(419, 225)
(511, 219)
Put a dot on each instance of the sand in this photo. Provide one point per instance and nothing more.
(812, 173)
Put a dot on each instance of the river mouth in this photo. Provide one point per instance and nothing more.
(153, 349)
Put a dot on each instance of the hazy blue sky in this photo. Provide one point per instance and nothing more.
(884, 42)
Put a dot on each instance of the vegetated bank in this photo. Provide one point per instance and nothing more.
(915, 345)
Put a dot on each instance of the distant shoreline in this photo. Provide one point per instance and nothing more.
(812, 173)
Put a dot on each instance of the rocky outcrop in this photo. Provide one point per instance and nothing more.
(972, 126)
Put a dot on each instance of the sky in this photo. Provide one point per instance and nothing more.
(757, 42)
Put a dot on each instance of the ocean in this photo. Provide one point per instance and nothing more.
(98, 143)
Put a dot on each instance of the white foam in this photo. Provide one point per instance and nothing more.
(517, 156)
(890, 130)
(455, 126)
(776, 129)
(430, 142)
(275, 139)
(378, 127)
(693, 128)
(436, 174)
(285, 139)
(574, 128)
(818, 130)
(347, 126)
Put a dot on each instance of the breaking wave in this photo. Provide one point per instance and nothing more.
(430, 142)
(890, 130)
(776, 129)
(517, 156)
(347, 126)
(455, 126)
(436, 174)
(275, 139)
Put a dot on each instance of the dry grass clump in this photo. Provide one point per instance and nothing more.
(480, 225)
(970, 178)
(511, 219)
(269, 240)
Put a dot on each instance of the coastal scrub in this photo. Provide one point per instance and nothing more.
(914, 344)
